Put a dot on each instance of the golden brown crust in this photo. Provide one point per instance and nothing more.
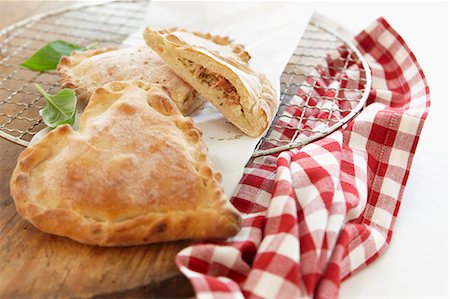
(238, 49)
(255, 104)
(84, 71)
(116, 184)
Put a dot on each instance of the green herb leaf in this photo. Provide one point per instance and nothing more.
(60, 108)
(47, 57)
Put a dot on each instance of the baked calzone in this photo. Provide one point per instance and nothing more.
(136, 172)
(218, 69)
(84, 71)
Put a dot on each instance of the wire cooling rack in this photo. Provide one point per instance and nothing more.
(104, 23)
(325, 83)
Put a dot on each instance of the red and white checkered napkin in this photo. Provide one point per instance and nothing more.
(315, 216)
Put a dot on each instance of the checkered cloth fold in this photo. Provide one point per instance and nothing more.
(316, 215)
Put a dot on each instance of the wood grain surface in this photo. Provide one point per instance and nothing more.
(38, 265)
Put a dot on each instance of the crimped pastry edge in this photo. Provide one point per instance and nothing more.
(238, 49)
(65, 70)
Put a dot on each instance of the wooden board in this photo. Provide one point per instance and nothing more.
(38, 265)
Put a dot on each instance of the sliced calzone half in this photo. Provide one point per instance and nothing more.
(84, 71)
(137, 172)
(215, 67)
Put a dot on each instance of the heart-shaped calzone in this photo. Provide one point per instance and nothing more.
(136, 172)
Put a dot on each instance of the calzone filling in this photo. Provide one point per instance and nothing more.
(213, 80)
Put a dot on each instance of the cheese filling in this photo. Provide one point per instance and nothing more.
(213, 80)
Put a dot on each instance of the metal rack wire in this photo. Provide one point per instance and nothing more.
(106, 23)
(325, 83)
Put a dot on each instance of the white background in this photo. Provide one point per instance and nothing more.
(415, 265)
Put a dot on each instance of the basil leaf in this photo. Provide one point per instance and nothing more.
(47, 58)
(60, 108)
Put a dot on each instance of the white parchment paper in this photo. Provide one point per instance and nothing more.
(269, 30)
